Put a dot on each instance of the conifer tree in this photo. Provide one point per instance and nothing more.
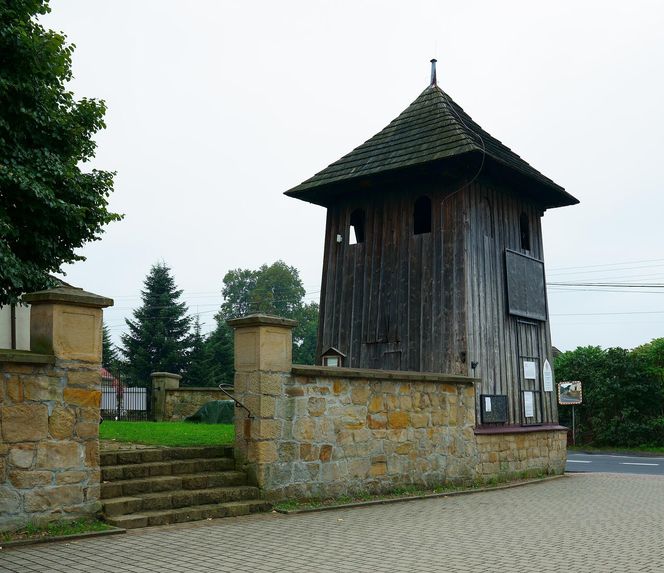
(159, 338)
(197, 374)
(219, 353)
(109, 354)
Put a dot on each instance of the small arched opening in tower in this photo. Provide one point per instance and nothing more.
(357, 219)
(422, 216)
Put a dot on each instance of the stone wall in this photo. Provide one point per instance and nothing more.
(341, 432)
(183, 402)
(49, 413)
(517, 451)
(170, 403)
(318, 432)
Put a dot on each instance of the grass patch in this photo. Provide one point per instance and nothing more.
(617, 449)
(408, 491)
(167, 433)
(54, 529)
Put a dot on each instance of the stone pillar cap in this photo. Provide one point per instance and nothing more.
(165, 375)
(68, 295)
(261, 320)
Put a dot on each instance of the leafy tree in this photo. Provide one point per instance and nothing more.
(627, 401)
(196, 374)
(305, 334)
(109, 354)
(48, 206)
(623, 398)
(159, 338)
(586, 365)
(237, 289)
(653, 353)
(273, 289)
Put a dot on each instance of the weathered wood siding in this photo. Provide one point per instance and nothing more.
(435, 302)
(496, 340)
(396, 301)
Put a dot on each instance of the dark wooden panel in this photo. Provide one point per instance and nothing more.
(525, 286)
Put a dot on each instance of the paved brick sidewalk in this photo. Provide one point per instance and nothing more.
(582, 523)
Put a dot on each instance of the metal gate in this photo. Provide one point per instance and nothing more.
(122, 401)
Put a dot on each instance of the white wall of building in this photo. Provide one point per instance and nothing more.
(22, 327)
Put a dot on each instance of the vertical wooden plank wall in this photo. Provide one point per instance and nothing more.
(396, 301)
(492, 333)
(433, 302)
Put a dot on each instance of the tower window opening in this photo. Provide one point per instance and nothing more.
(422, 216)
(524, 226)
(357, 219)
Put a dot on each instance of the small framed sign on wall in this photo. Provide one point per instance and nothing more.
(493, 408)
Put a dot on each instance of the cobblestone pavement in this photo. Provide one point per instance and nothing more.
(581, 523)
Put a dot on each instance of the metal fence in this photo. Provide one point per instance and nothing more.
(120, 401)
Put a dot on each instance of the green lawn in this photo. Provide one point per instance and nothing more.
(167, 433)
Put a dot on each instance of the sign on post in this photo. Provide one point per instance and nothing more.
(569, 393)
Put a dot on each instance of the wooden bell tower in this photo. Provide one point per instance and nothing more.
(434, 258)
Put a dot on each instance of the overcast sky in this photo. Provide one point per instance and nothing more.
(217, 107)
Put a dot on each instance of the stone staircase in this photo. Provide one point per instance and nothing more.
(172, 485)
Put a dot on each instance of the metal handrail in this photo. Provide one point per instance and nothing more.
(238, 404)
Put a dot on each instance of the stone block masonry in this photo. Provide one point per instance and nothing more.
(343, 432)
(325, 432)
(520, 451)
(172, 403)
(181, 403)
(49, 412)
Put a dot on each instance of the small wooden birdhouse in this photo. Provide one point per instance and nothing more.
(333, 357)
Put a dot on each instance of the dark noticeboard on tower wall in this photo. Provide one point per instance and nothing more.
(525, 286)
(493, 408)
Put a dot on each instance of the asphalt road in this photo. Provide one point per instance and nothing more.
(645, 465)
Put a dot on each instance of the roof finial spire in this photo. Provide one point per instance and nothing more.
(434, 81)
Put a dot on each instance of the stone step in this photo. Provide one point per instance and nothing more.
(171, 467)
(193, 513)
(155, 484)
(121, 506)
(123, 457)
(176, 499)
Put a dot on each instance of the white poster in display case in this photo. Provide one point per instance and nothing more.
(529, 404)
(548, 377)
(529, 370)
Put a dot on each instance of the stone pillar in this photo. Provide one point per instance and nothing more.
(49, 411)
(162, 381)
(66, 322)
(263, 361)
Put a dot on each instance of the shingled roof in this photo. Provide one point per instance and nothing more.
(432, 130)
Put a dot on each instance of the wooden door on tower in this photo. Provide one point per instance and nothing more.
(529, 368)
